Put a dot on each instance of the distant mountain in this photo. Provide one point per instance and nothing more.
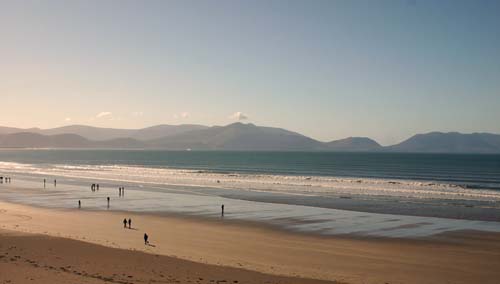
(452, 142)
(164, 130)
(35, 140)
(97, 133)
(9, 130)
(234, 137)
(238, 137)
(353, 144)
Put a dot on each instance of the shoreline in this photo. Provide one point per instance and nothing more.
(374, 196)
(304, 219)
(344, 259)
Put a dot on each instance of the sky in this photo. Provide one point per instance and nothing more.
(327, 69)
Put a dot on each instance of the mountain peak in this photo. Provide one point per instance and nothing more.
(236, 136)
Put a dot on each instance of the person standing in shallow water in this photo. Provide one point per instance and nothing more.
(108, 201)
(44, 183)
(55, 183)
(222, 210)
(79, 204)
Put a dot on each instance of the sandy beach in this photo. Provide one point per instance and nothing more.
(40, 259)
(219, 246)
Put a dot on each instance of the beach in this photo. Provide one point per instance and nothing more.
(41, 259)
(456, 257)
(425, 185)
(281, 225)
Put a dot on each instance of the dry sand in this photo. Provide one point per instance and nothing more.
(461, 257)
(41, 259)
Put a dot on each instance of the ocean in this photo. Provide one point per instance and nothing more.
(297, 190)
(468, 170)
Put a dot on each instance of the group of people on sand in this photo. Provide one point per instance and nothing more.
(5, 179)
(94, 187)
(127, 223)
(121, 191)
(45, 183)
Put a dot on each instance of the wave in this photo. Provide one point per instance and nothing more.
(277, 183)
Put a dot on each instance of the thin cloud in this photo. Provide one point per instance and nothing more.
(238, 116)
(104, 114)
(181, 115)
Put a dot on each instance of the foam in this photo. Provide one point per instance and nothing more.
(288, 184)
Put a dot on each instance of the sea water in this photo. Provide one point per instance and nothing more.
(383, 194)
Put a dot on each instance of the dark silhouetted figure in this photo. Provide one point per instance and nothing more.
(222, 210)
(130, 223)
(146, 237)
(123, 191)
(79, 204)
(44, 183)
(125, 223)
(108, 201)
(97, 187)
(55, 183)
(119, 191)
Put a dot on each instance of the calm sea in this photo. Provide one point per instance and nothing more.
(470, 170)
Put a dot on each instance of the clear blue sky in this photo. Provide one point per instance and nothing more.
(327, 69)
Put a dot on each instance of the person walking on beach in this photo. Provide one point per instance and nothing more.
(146, 237)
(119, 191)
(108, 201)
(79, 204)
(130, 223)
(44, 183)
(222, 210)
(97, 187)
(55, 183)
(125, 223)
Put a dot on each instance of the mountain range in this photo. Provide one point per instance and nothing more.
(234, 137)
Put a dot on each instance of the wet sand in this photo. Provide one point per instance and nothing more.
(374, 195)
(186, 202)
(456, 257)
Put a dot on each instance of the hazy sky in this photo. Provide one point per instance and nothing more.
(327, 69)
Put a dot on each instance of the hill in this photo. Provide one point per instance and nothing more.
(451, 142)
(97, 133)
(35, 140)
(235, 137)
(353, 144)
(238, 137)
